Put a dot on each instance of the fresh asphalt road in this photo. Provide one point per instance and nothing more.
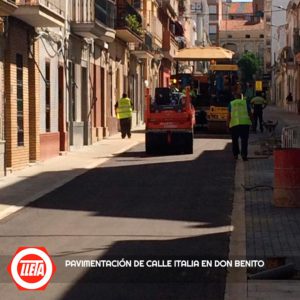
(134, 207)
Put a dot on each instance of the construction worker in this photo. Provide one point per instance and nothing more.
(239, 121)
(124, 113)
(193, 92)
(258, 103)
(249, 92)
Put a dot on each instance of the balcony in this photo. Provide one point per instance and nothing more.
(287, 56)
(128, 23)
(94, 19)
(41, 13)
(157, 31)
(296, 40)
(144, 50)
(7, 7)
(172, 6)
(170, 46)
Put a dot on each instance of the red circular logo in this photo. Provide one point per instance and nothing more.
(31, 268)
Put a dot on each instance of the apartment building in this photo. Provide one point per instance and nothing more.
(200, 14)
(168, 15)
(290, 62)
(296, 47)
(242, 36)
(286, 68)
(66, 63)
(268, 36)
(188, 23)
(241, 30)
(91, 66)
(19, 69)
(6, 9)
(278, 37)
(238, 11)
(215, 17)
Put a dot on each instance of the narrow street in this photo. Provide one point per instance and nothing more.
(132, 206)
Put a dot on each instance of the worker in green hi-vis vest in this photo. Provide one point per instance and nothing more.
(239, 121)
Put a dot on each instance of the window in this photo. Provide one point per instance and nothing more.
(20, 100)
(247, 36)
(213, 33)
(105, 12)
(47, 97)
(261, 36)
(212, 29)
(229, 36)
(213, 14)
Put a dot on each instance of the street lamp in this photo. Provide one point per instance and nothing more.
(281, 25)
(280, 7)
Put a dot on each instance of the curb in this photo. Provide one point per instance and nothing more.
(236, 280)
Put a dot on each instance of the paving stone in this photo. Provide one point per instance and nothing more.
(271, 231)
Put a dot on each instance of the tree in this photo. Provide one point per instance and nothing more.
(249, 65)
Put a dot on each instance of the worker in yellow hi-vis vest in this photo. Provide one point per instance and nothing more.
(239, 121)
(124, 113)
(258, 104)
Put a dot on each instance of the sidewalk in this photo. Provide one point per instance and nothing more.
(24, 186)
(270, 232)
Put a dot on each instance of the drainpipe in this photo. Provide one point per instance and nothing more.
(2, 120)
(66, 79)
(3, 133)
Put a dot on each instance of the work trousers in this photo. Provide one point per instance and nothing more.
(125, 125)
(258, 116)
(240, 132)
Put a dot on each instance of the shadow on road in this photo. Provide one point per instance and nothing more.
(161, 195)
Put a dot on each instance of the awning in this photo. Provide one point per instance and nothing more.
(203, 53)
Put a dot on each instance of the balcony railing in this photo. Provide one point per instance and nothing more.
(156, 28)
(166, 40)
(137, 4)
(94, 19)
(148, 42)
(172, 6)
(56, 6)
(92, 10)
(105, 12)
(296, 40)
(143, 49)
(170, 46)
(128, 18)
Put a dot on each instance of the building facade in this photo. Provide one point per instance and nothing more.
(286, 68)
(292, 50)
(6, 9)
(278, 35)
(168, 14)
(242, 36)
(215, 17)
(242, 29)
(64, 66)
